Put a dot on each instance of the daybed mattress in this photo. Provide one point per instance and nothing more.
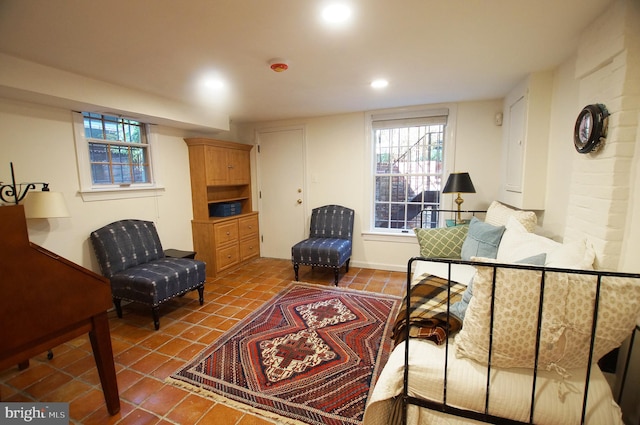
(559, 401)
(510, 390)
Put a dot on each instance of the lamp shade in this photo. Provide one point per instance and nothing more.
(459, 183)
(45, 204)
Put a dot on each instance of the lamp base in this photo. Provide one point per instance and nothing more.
(459, 201)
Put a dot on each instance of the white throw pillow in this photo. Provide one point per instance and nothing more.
(498, 215)
(517, 243)
(572, 255)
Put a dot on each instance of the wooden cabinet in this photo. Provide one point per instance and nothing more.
(224, 166)
(220, 173)
(527, 115)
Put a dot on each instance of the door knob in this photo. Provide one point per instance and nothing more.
(299, 201)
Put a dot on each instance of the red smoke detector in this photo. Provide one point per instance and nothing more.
(278, 65)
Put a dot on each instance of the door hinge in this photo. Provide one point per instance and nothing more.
(258, 148)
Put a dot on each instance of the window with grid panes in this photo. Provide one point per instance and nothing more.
(118, 150)
(408, 156)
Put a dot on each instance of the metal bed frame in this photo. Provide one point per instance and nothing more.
(485, 416)
(427, 212)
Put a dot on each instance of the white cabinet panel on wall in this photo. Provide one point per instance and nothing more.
(527, 113)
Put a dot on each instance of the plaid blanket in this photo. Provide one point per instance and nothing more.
(428, 314)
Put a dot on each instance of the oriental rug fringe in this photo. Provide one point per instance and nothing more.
(310, 355)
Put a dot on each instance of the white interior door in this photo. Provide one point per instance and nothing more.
(281, 199)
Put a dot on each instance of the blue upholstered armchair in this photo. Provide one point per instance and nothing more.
(329, 243)
(130, 254)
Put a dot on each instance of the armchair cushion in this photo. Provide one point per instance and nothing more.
(322, 251)
(157, 281)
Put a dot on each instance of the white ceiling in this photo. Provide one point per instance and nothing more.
(430, 51)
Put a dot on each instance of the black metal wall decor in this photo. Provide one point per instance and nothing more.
(14, 193)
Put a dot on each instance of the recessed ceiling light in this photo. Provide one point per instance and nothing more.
(211, 88)
(380, 83)
(213, 83)
(336, 13)
(210, 82)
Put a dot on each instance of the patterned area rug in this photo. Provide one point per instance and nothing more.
(311, 355)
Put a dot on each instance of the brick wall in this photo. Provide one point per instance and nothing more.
(608, 71)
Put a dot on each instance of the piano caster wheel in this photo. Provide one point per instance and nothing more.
(49, 354)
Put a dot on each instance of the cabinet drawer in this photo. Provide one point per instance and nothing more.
(226, 232)
(248, 226)
(249, 248)
(227, 257)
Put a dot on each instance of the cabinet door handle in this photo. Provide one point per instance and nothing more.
(229, 166)
(228, 233)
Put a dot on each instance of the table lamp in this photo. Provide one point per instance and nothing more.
(459, 183)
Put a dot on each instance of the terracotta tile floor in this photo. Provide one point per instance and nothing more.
(144, 357)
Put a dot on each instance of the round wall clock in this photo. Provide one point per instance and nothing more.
(591, 128)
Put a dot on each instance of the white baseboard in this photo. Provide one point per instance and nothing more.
(379, 266)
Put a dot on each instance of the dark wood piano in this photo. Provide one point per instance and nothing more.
(46, 300)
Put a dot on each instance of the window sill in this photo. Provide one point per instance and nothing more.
(408, 237)
(112, 193)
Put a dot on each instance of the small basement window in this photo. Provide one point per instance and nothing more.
(114, 154)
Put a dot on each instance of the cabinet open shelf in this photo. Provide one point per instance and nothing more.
(220, 219)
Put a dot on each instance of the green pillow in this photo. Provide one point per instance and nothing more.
(442, 242)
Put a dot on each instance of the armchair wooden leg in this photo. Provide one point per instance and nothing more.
(295, 270)
(201, 294)
(118, 303)
(336, 272)
(155, 311)
(347, 265)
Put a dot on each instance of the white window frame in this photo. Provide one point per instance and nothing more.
(99, 192)
(395, 235)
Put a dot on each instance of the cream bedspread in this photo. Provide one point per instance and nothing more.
(510, 391)
(559, 401)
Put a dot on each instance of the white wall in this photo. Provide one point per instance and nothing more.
(39, 141)
(337, 169)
